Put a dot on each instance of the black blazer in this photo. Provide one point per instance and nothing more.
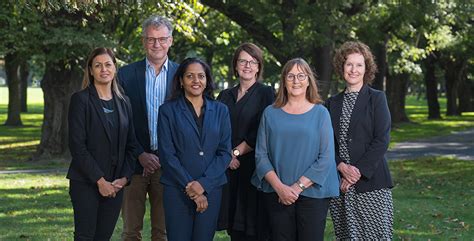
(89, 138)
(368, 137)
(133, 81)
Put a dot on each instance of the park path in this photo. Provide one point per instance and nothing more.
(459, 145)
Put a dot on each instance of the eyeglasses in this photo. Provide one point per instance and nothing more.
(293, 77)
(243, 62)
(162, 40)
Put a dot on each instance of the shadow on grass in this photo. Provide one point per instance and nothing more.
(35, 213)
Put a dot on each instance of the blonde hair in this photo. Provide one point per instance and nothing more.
(312, 94)
(89, 78)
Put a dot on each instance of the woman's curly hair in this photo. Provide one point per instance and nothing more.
(351, 47)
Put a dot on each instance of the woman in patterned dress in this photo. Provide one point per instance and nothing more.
(361, 122)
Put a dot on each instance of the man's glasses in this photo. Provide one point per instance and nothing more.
(162, 40)
(243, 62)
(293, 77)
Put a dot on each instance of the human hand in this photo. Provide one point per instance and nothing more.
(194, 189)
(119, 183)
(150, 163)
(234, 163)
(349, 172)
(201, 203)
(287, 195)
(106, 189)
(345, 185)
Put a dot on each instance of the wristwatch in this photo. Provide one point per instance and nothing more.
(236, 152)
(303, 187)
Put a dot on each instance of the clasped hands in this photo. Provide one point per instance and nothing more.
(110, 189)
(195, 192)
(288, 195)
(150, 163)
(350, 175)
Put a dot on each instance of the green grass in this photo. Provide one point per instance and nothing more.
(420, 127)
(432, 199)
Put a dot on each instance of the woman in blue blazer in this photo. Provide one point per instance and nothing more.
(103, 145)
(194, 148)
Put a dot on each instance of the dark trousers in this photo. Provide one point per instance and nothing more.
(95, 216)
(183, 223)
(241, 236)
(304, 220)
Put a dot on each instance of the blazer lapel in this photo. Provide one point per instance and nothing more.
(169, 77)
(122, 116)
(336, 111)
(187, 114)
(140, 78)
(360, 104)
(208, 120)
(99, 109)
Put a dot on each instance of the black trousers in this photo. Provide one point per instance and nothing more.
(95, 216)
(304, 220)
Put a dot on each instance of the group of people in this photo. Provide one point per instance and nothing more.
(262, 166)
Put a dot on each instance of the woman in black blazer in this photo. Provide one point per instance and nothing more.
(102, 144)
(361, 122)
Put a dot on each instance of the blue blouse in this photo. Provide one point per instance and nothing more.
(295, 145)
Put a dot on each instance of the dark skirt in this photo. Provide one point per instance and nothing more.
(242, 208)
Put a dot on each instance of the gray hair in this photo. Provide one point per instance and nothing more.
(156, 21)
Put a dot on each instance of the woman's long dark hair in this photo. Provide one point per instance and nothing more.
(178, 91)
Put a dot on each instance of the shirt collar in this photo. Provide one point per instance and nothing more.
(149, 65)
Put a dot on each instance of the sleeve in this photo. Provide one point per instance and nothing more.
(222, 157)
(262, 161)
(378, 146)
(77, 118)
(268, 97)
(167, 149)
(131, 146)
(324, 163)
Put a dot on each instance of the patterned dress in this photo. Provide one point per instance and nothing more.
(359, 216)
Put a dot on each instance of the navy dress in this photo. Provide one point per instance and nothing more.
(241, 209)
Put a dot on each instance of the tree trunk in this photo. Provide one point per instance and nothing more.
(380, 52)
(24, 73)
(58, 85)
(431, 88)
(322, 60)
(453, 73)
(14, 88)
(396, 92)
(465, 91)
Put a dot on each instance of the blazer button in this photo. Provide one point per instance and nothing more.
(201, 153)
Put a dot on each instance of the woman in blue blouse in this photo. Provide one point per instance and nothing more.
(194, 149)
(294, 154)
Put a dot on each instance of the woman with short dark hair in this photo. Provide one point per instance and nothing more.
(243, 213)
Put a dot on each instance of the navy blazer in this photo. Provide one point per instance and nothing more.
(186, 155)
(368, 137)
(90, 139)
(133, 81)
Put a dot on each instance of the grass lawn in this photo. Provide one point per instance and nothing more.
(433, 201)
(420, 127)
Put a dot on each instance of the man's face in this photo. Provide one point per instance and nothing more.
(157, 42)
